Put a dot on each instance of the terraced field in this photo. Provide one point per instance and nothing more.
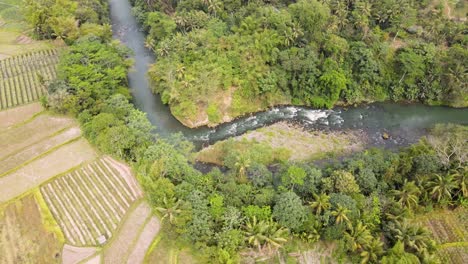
(21, 77)
(89, 203)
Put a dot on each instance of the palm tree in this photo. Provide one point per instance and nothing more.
(341, 214)
(321, 203)
(358, 237)
(372, 251)
(441, 187)
(413, 237)
(408, 195)
(264, 233)
(396, 212)
(242, 164)
(461, 181)
(170, 210)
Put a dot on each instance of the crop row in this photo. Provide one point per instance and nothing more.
(89, 203)
(22, 77)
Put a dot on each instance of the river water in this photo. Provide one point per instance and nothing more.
(404, 123)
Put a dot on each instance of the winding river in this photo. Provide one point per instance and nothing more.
(404, 123)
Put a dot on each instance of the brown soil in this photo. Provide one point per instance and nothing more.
(17, 115)
(73, 255)
(125, 172)
(144, 241)
(35, 150)
(23, 237)
(121, 246)
(23, 39)
(43, 126)
(42, 169)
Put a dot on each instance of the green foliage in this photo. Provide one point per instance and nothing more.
(303, 50)
(260, 213)
(308, 52)
(341, 182)
(289, 211)
(67, 19)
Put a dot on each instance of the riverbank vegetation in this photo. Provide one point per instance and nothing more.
(217, 60)
(282, 142)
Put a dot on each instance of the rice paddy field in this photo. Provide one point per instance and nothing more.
(23, 77)
(61, 201)
(89, 202)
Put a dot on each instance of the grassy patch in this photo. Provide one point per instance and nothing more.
(280, 142)
(28, 234)
(48, 219)
(450, 230)
(259, 152)
(165, 249)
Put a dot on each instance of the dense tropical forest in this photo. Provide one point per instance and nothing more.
(316, 53)
(220, 59)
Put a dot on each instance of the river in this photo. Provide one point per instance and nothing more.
(404, 123)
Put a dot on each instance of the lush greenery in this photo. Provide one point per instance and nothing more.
(260, 204)
(362, 203)
(67, 19)
(310, 52)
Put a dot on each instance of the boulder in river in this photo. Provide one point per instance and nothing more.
(385, 136)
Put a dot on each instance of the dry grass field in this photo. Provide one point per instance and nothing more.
(27, 232)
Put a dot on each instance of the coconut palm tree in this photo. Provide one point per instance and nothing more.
(396, 212)
(242, 164)
(413, 237)
(441, 187)
(341, 214)
(461, 181)
(321, 203)
(372, 251)
(409, 195)
(170, 210)
(262, 234)
(358, 237)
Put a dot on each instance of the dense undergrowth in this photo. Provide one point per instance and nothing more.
(261, 205)
(220, 59)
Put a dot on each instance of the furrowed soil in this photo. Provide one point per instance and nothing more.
(24, 237)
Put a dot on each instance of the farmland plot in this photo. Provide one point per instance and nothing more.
(26, 235)
(17, 115)
(22, 77)
(450, 230)
(90, 202)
